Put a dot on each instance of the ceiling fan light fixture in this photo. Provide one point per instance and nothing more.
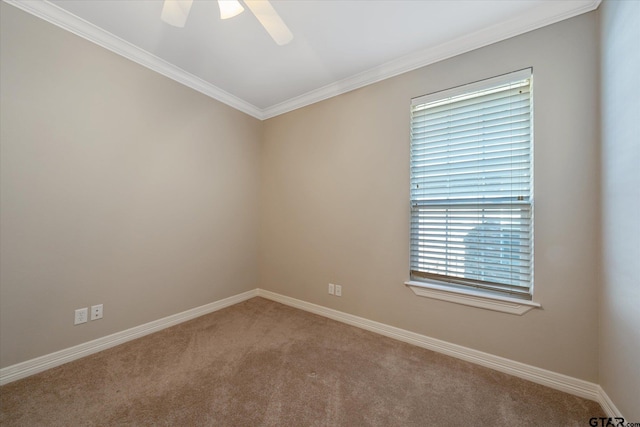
(175, 12)
(270, 20)
(229, 8)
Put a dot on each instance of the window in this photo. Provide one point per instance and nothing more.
(471, 187)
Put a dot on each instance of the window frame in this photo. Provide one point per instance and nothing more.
(456, 290)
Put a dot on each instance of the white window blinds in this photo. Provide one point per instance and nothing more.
(471, 186)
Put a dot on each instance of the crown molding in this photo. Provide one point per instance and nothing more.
(538, 18)
(61, 18)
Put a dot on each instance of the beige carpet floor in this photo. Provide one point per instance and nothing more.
(260, 363)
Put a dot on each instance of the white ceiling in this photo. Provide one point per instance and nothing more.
(338, 45)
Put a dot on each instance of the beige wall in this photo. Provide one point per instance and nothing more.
(620, 294)
(118, 186)
(121, 187)
(335, 191)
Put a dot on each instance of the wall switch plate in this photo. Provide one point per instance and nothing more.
(96, 312)
(338, 290)
(332, 288)
(81, 316)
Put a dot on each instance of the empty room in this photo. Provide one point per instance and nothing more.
(319, 212)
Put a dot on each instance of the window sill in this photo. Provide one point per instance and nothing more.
(471, 298)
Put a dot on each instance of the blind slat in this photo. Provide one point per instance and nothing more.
(488, 114)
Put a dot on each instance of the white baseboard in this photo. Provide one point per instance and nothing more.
(541, 376)
(607, 404)
(48, 361)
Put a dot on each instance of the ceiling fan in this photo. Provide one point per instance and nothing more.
(175, 12)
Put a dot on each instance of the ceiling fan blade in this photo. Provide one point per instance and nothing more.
(175, 12)
(270, 20)
(229, 8)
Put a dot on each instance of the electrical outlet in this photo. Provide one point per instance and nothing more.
(338, 290)
(81, 316)
(332, 288)
(96, 312)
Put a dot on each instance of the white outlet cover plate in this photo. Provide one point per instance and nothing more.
(96, 312)
(81, 315)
